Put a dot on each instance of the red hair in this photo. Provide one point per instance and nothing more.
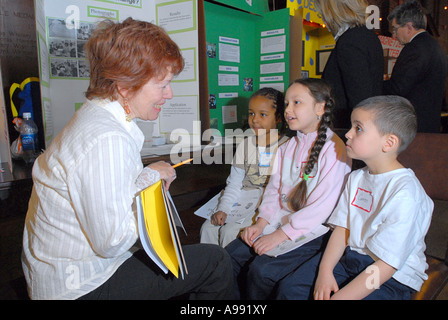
(129, 54)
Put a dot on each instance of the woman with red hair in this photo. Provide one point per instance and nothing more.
(80, 226)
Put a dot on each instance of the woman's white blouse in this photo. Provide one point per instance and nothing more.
(81, 225)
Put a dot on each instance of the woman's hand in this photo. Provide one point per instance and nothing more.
(218, 218)
(166, 171)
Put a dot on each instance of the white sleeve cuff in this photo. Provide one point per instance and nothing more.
(147, 178)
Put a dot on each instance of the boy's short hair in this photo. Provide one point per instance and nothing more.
(393, 115)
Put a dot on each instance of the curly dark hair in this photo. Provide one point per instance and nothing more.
(278, 100)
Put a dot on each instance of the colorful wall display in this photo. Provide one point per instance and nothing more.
(64, 26)
(317, 41)
(245, 52)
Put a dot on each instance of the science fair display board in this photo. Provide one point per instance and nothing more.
(317, 41)
(246, 50)
(64, 26)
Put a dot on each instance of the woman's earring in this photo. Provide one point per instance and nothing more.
(127, 110)
(318, 117)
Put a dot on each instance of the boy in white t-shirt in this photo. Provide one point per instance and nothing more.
(376, 250)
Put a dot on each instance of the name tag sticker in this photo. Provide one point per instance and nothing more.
(363, 200)
(265, 159)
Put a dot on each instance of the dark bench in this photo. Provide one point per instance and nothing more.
(427, 156)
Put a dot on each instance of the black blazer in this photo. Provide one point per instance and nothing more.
(355, 71)
(419, 75)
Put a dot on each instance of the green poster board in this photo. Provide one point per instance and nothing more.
(237, 61)
(254, 6)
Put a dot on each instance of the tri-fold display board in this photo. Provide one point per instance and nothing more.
(248, 47)
(231, 49)
(63, 27)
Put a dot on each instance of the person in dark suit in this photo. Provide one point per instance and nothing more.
(355, 67)
(421, 69)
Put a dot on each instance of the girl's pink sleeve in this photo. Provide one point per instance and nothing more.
(334, 169)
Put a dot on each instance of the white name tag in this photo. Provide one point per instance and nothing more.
(265, 159)
(363, 200)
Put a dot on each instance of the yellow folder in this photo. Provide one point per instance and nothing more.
(157, 228)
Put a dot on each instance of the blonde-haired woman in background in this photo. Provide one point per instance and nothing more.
(355, 67)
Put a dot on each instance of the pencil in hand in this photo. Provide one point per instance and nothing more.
(182, 163)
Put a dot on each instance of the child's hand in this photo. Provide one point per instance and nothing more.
(325, 285)
(251, 233)
(218, 218)
(270, 241)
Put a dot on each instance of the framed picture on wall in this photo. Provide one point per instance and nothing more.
(321, 60)
(304, 74)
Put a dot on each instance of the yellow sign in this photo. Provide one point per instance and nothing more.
(309, 10)
(315, 38)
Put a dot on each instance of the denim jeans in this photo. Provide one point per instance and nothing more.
(255, 276)
(299, 285)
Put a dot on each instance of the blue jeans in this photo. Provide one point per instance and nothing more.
(299, 285)
(255, 277)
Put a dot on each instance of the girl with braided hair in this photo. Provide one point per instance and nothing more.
(310, 171)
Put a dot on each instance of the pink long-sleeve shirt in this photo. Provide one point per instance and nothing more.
(324, 186)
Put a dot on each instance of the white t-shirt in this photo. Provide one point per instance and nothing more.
(388, 216)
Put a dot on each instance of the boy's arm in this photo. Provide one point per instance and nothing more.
(326, 283)
(366, 282)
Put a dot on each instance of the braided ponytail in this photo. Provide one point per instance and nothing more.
(321, 92)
